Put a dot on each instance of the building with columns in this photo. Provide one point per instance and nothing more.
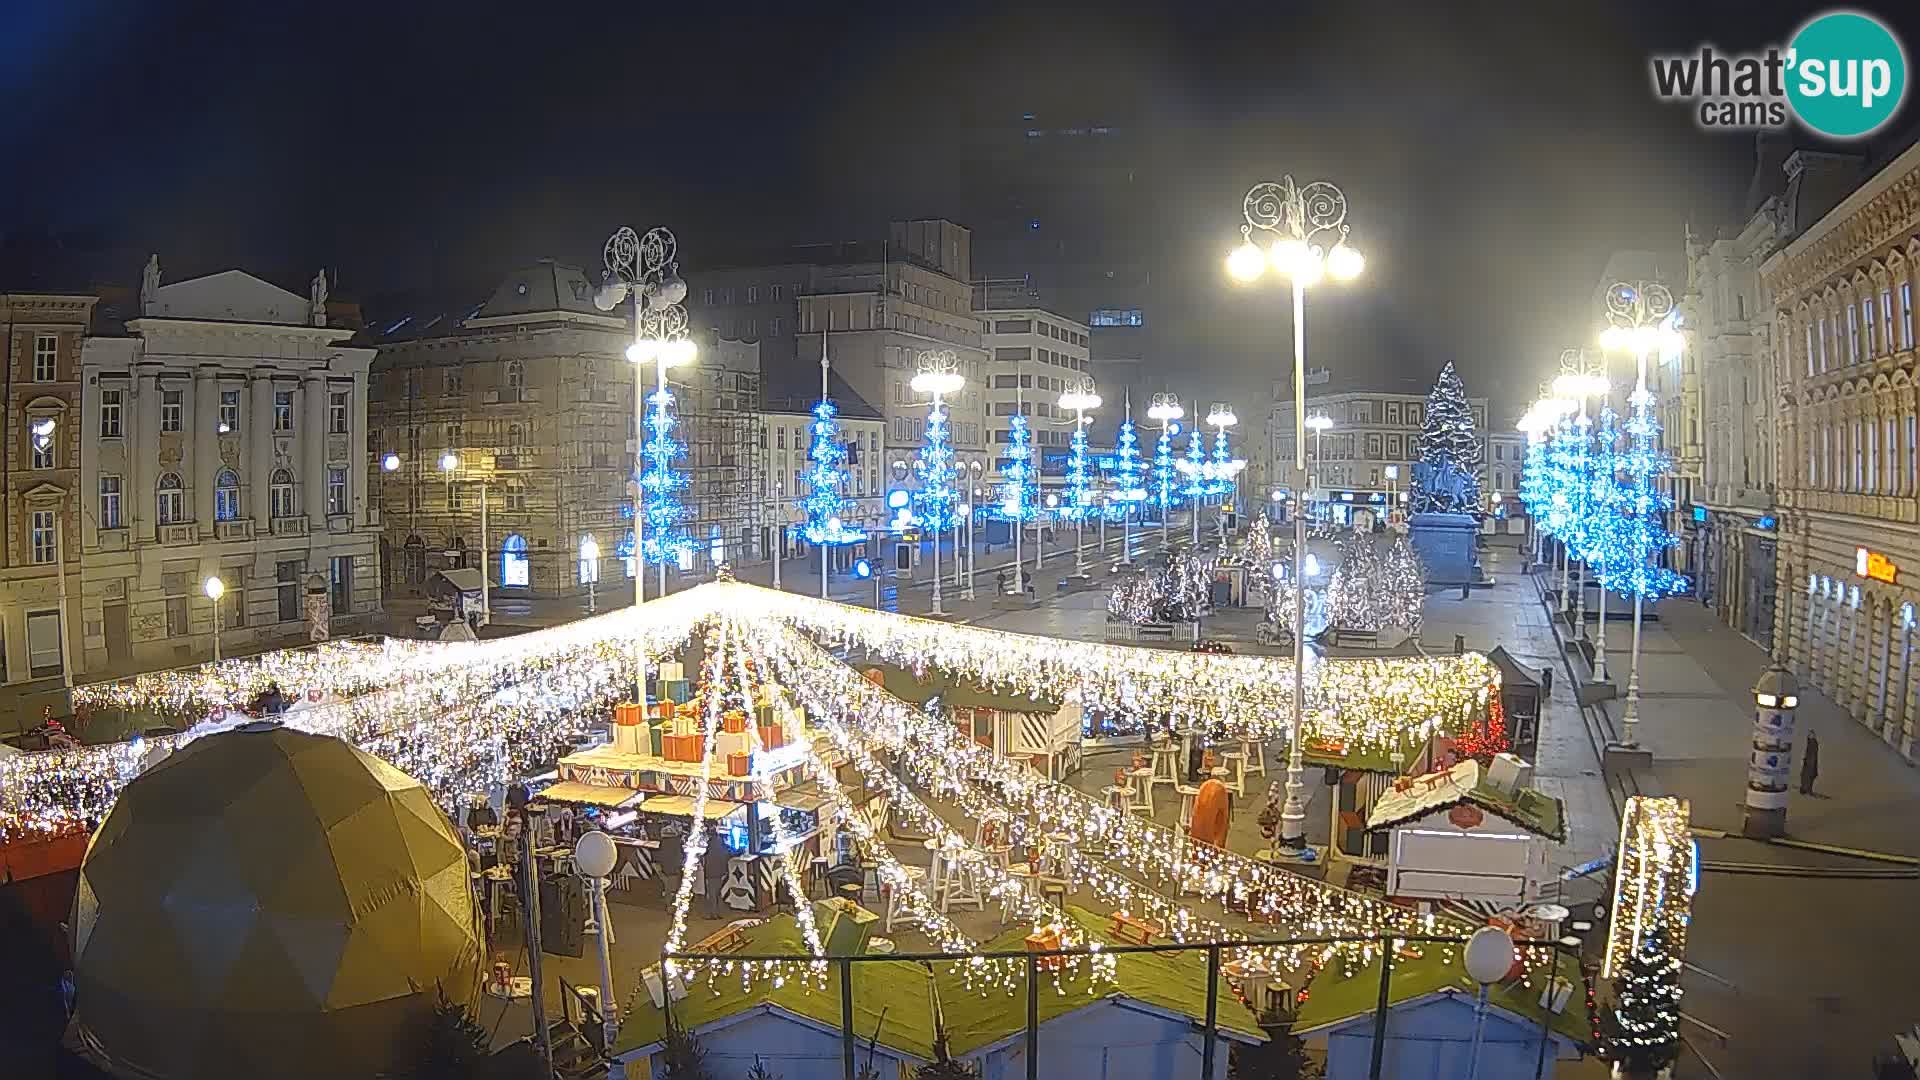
(1842, 298)
(41, 497)
(225, 435)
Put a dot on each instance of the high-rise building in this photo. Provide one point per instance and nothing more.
(1036, 355)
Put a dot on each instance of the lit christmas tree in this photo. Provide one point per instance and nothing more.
(1632, 568)
(1355, 600)
(1404, 585)
(1535, 484)
(1079, 501)
(1643, 1027)
(1448, 438)
(1567, 491)
(1601, 523)
(825, 477)
(1166, 493)
(1223, 470)
(1195, 468)
(1017, 489)
(660, 485)
(936, 498)
(1127, 467)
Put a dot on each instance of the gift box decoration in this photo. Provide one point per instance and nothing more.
(737, 764)
(627, 713)
(772, 736)
(676, 690)
(673, 669)
(734, 721)
(732, 742)
(1046, 939)
(660, 710)
(686, 724)
(685, 748)
(763, 714)
(656, 739)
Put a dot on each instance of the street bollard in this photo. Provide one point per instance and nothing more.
(1775, 697)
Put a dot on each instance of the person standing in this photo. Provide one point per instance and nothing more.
(713, 863)
(1810, 763)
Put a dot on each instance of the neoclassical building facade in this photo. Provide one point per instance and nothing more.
(1849, 452)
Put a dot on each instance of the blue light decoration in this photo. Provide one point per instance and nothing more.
(663, 541)
(1700, 514)
(1765, 521)
(1601, 497)
(1221, 480)
(1564, 489)
(823, 505)
(1535, 484)
(1128, 469)
(1018, 490)
(1078, 505)
(1195, 467)
(1633, 569)
(862, 569)
(1166, 494)
(936, 498)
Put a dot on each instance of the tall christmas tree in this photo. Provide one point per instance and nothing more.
(1534, 483)
(1601, 531)
(1447, 439)
(1127, 467)
(1017, 488)
(663, 541)
(1078, 504)
(1222, 480)
(936, 498)
(1643, 535)
(1404, 585)
(823, 505)
(1565, 487)
(1355, 600)
(1643, 1027)
(1196, 467)
(1166, 489)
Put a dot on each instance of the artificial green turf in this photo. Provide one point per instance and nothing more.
(1334, 995)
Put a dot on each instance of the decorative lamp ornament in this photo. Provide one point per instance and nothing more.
(594, 854)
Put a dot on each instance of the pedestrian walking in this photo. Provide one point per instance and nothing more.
(1810, 763)
(713, 863)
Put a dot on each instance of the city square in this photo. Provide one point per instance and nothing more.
(1073, 580)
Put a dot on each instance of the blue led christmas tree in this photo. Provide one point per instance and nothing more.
(1535, 484)
(1221, 481)
(1633, 568)
(1195, 468)
(1166, 493)
(1128, 469)
(1079, 501)
(1599, 547)
(936, 497)
(663, 541)
(823, 505)
(1018, 488)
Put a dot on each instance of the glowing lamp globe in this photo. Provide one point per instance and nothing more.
(215, 588)
(1288, 256)
(390, 463)
(641, 352)
(266, 902)
(449, 461)
(1246, 262)
(1489, 955)
(1344, 263)
(680, 352)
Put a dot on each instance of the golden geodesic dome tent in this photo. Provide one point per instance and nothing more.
(267, 902)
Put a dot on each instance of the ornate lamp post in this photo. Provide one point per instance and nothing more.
(939, 375)
(1640, 314)
(1320, 422)
(1309, 240)
(215, 589)
(450, 464)
(1081, 399)
(1166, 411)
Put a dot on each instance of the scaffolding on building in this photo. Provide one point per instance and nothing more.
(724, 430)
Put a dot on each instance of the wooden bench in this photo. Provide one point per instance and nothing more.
(728, 940)
(1134, 931)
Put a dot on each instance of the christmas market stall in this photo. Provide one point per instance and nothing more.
(1044, 732)
(1521, 699)
(1359, 774)
(1473, 833)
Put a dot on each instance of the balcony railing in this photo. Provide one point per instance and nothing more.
(290, 526)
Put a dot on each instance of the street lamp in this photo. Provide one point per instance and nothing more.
(1082, 399)
(450, 464)
(1641, 315)
(1319, 423)
(1393, 475)
(975, 468)
(390, 463)
(939, 375)
(1301, 220)
(215, 589)
(594, 857)
(1224, 472)
(1166, 410)
(590, 566)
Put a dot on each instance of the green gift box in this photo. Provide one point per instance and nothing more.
(656, 733)
(676, 691)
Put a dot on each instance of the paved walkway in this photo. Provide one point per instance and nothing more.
(1818, 971)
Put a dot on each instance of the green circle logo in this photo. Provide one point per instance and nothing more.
(1847, 74)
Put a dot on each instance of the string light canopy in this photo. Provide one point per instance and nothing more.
(1656, 871)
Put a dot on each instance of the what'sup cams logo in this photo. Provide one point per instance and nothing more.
(1843, 75)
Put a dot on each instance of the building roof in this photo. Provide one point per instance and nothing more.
(893, 1003)
(464, 579)
(1511, 673)
(1533, 810)
(904, 685)
(794, 390)
(1339, 994)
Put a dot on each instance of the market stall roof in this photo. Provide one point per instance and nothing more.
(892, 1003)
(569, 791)
(1415, 797)
(682, 806)
(1171, 983)
(464, 579)
(1512, 675)
(902, 684)
(1339, 994)
(807, 796)
(1370, 758)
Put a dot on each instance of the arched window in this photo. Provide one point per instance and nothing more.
(591, 376)
(516, 376)
(624, 549)
(172, 500)
(516, 438)
(226, 495)
(513, 561)
(281, 504)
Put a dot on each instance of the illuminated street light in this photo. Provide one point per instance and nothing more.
(215, 589)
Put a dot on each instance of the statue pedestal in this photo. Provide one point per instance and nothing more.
(1447, 546)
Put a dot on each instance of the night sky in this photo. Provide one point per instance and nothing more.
(1494, 155)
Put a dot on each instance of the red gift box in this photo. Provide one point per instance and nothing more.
(1045, 940)
(737, 764)
(626, 714)
(682, 747)
(735, 722)
(772, 736)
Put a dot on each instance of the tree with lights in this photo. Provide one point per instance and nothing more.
(1632, 568)
(936, 498)
(663, 541)
(1128, 470)
(1221, 481)
(1166, 493)
(1567, 490)
(1018, 488)
(1195, 467)
(825, 477)
(1355, 600)
(1603, 496)
(1078, 504)
(1447, 439)
(1534, 483)
(1404, 585)
(1643, 1026)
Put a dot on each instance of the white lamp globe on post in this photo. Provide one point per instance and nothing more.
(939, 376)
(1318, 423)
(593, 857)
(391, 463)
(1081, 400)
(1489, 957)
(1167, 412)
(215, 589)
